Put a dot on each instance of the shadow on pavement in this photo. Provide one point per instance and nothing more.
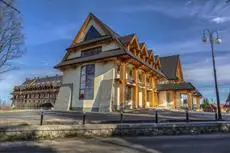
(24, 147)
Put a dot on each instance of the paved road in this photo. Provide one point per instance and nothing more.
(163, 144)
(33, 117)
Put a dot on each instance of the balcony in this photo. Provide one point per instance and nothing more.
(149, 86)
(130, 80)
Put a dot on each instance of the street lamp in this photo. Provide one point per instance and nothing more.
(213, 38)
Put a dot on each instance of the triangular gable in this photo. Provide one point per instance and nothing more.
(144, 49)
(101, 28)
(171, 67)
(158, 62)
(92, 34)
(134, 43)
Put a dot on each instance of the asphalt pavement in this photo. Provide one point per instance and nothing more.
(217, 143)
(33, 117)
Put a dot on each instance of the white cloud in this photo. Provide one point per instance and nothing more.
(205, 74)
(211, 11)
(219, 20)
(46, 33)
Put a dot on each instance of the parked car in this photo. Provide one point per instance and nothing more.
(226, 108)
(46, 106)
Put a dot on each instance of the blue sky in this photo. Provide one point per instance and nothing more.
(167, 26)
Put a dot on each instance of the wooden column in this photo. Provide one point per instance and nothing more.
(153, 92)
(174, 100)
(198, 102)
(156, 99)
(135, 89)
(189, 100)
(122, 85)
(145, 91)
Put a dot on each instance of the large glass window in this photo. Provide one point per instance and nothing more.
(90, 52)
(87, 82)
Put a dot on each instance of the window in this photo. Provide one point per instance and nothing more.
(148, 81)
(184, 99)
(92, 34)
(87, 82)
(90, 52)
(129, 91)
(149, 96)
(169, 96)
(194, 101)
(140, 77)
(130, 74)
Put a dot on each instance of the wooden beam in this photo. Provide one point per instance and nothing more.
(198, 102)
(174, 99)
(122, 85)
(145, 91)
(189, 100)
(153, 93)
(135, 91)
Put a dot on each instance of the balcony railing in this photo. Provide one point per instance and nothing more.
(130, 79)
(149, 85)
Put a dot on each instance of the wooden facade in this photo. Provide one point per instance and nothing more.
(34, 93)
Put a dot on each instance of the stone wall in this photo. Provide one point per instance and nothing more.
(148, 129)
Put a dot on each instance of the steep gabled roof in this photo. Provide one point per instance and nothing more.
(108, 34)
(141, 44)
(102, 55)
(197, 93)
(179, 86)
(126, 39)
(150, 51)
(176, 86)
(48, 80)
(169, 66)
(108, 31)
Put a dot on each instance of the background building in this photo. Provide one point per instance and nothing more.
(34, 93)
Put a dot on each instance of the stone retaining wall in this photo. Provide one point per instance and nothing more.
(146, 129)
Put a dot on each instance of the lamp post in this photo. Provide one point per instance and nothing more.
(213, 38)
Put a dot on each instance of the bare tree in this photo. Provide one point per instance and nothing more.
(11, 37)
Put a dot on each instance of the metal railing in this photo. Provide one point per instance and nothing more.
(156, 116)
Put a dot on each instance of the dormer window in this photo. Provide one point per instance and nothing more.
(90, 52)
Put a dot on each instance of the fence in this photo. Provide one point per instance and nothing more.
(123, 117)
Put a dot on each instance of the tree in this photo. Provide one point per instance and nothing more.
(205, 103)
(11, 37)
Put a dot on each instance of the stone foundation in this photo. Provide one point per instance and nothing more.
(104, 130)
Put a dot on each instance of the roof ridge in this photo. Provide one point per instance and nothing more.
(169, 56)
(110, 30)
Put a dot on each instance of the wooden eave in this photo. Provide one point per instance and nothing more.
(134, 40)
(144, 50)
(141, 64)
(101, 40)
